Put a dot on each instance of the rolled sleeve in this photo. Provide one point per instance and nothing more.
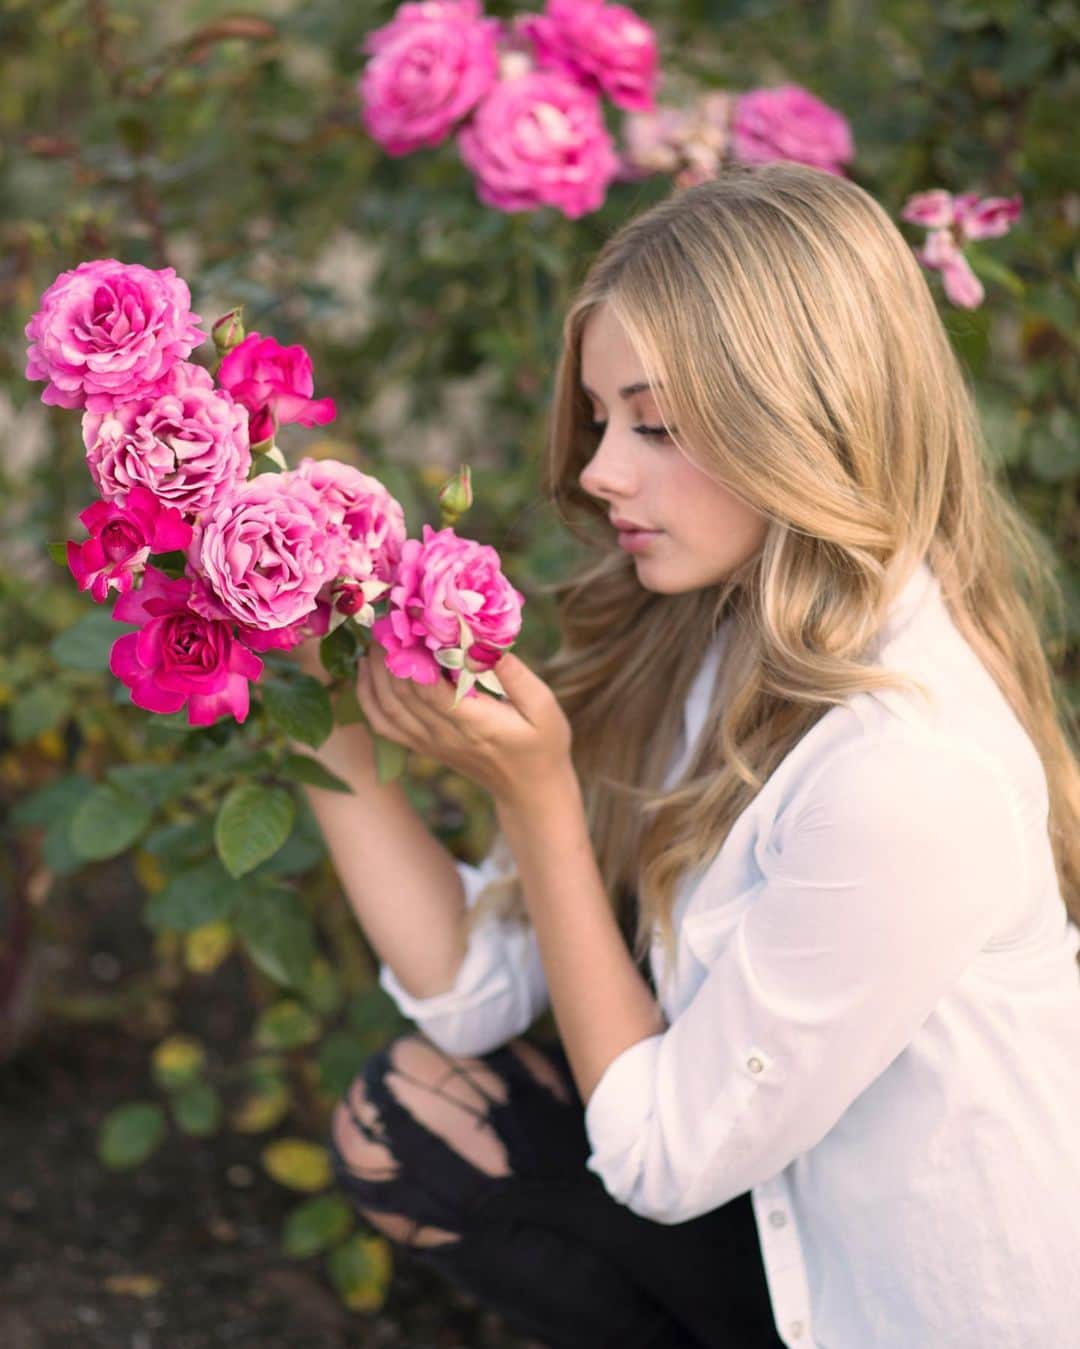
(881, 885)
(500, 987)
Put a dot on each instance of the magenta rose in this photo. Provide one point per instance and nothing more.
(263, 553)
(108, 331)
(121, 539)
(186, 441)
(985, 217)
(606, 48)
(275, 384)
(179, 656)
(429, 66)
(934, 209)
(540, 140)
(942, 253)
(450, 593)
(788, 122)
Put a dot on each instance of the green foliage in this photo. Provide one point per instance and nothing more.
(130, 1133)
(252, 824)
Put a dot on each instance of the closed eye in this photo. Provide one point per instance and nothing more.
(654, 432)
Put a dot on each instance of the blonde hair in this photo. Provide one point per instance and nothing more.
(805, 365)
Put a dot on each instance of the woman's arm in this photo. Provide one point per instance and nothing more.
(402, 884)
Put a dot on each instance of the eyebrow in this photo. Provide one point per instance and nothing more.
(627, 391)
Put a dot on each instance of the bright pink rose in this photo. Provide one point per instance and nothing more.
(179, 656)
(788, 122)
(121, 539)
(275, 384)
(109, 331)
(607, 48)
(186, 441)
(540, 140)
(430, 65)
(262, 554)
(371, 521)
(449, 593)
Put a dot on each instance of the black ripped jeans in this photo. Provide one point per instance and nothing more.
(545, 1245)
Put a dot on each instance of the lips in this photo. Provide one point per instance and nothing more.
(628, 527)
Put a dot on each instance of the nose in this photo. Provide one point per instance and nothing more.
(609, 473)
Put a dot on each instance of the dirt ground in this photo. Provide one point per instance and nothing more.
(182, 1253)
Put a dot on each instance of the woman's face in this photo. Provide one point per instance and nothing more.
(705, 532)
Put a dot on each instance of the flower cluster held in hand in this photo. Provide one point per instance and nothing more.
(249, 558)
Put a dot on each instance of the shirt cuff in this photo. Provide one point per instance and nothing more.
(617, 1116)
(481, 977)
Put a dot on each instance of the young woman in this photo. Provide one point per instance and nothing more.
(787, 840)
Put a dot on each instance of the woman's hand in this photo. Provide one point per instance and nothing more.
(511, 746)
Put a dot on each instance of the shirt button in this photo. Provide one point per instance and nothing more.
(777, 1218)
(754, 1064)
(795, 1329)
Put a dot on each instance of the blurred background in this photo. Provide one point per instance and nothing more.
(166, 1073)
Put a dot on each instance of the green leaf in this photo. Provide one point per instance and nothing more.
(360, 1269)
(341, 1056)
(347, 709)
(316, 1224)
(87, 644)
(300, 707)
(286, 1024)
(108, 821)
(338, 650)
(129, 1134)
(252, 824)
(390, 759)
(301, 768)
(278, 935)
(154, 782)
(205, 893)
(197, 1109)
(182, 841)
(39, 709)
(57, 550)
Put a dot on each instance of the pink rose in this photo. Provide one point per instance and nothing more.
(449, 593)
(186, 441)
(539, 140)
(606, 48)
(430, 65)
(179, 656)
(108, 332)
(933, 209)
(121, 539)
(275, 384)
(370, 520)
(262, 554)
(788, 122)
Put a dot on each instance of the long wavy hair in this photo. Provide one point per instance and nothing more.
(803, 360)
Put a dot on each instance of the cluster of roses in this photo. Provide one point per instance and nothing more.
(524, 100)
(263, 560)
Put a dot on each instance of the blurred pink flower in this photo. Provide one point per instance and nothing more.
(788, 122)
(605, 47)
(179, 656)
(121, 539)
(429, 66)
(449, 593)
(108, 331)
(539, 140)
(275, 384)
(186, 441)
(688, 143)
(263, 553)
(952, 221)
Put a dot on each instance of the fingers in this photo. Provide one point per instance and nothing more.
(381, 703)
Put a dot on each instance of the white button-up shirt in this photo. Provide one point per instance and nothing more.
(874, 1021)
